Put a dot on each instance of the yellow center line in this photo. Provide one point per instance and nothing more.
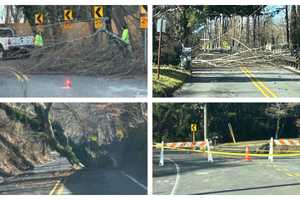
(255, 83)
(57, 189)
(258, 84)
(261, 83)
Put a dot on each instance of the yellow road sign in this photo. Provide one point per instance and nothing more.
(39, 18)
(98, 23)
(144, 22)
(68, 15)
(98, 12)
(143, 9)
(193, 127)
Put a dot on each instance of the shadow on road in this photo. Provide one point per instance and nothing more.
(250, 188)
(225, 78)
(101, 181)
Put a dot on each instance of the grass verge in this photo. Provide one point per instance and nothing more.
(171, 78)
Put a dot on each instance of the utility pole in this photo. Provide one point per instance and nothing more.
(205, 121)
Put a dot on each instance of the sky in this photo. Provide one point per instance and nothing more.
(277, 18)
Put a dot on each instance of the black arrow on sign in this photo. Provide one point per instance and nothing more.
(68, 15)
(98, 12)
(39, 18)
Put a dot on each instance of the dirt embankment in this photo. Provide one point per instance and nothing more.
(19, 148)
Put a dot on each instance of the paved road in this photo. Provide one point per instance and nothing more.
(103, 182)
(82, 86)
(190, 173)
(57, 177)
(245, 81)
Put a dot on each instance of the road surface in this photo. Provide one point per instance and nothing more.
(102, 182)
(81, 86)
(241, 81)
(57, 177)
(190, 173)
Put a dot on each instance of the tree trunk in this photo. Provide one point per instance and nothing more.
(254, 31)
(298, 27)
(293, 27)
(42, 111)
(7, 15)
(258, 32)
(241, 29)
(287, 25)
(248, 30)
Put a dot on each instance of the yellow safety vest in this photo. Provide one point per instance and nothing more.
(38, 40)
(125, 36)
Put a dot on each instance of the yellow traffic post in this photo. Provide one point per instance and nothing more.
(144, 25)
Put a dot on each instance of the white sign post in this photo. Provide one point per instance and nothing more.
(160, 28)
(161, 160)
(271, 150)
(209, 154)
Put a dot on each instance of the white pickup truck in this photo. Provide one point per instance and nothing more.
(12, 45)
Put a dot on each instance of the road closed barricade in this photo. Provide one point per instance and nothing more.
(199, 144)
(246, 152)
(185, 146)
(287, 142)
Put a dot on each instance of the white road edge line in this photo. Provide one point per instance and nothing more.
(134, 180)
(177, 176)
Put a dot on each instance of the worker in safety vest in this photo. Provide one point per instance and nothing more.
(38, 39)
(125, 34)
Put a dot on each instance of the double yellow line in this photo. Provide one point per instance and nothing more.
(57, 189)
(258, 84)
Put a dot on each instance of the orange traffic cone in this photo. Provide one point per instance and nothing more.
(247, 155)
